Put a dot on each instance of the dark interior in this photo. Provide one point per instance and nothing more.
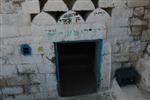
(127, 76)
(77, 68)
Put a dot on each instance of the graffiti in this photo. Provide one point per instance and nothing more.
(69, 18)
(51, 33)
(76, 32)
(25, 50)
(40, 50)
(70, 15)
(78, 19)
(98, 13)
(52, 30)
(66, 21)
(53, 59)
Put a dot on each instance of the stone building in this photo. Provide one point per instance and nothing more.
(39, 37)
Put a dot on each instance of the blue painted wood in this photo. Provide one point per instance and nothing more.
(57, 67)
(99, 48)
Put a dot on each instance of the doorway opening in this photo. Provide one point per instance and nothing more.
(78, 67)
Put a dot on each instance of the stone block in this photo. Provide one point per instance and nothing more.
(130, 12)
(120, 19)
(106, 72)
(143, 67)
(17, 41)
(55, 5)
(47, 68)
(0, 93)
(136, 30)
(133, 57)
(136, 21)
(118, 33)
(13, 59)
(17, 19)
(16, 80)
(139, 11)
(8, 98)
(148, 25)
(33, 59)
(8, 70)
(106, 49)
(12, 91)
(23, 19)
(2, 60)
(7, 50)
(116, 48)
(8, 19)
(7, 7)
(41, 95)
(147, 14)
(120, 58)
(148, 48)
(31, 89)
(119, 3)
(44, 88)
(37, 78)
(145, 35)
(50, 86)
(24, 97)
(3, 83)
(137, 3)
(83, 5)
(8, 31)
(31, 6)
(136, 47)
(24, 31)
(105, 4)
(27, 69)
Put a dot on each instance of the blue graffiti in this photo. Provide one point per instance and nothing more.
(25, 50)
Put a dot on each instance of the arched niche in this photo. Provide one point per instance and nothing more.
(70, 17)
(55, 5)
(42, 23)
(44, 19)
(99, 16)
(83, 5)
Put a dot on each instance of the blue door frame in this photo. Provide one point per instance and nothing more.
(99, 47)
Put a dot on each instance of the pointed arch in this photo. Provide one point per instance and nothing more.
(98, 15)
(44, 19)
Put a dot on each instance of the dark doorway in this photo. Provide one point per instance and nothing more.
(78, 71)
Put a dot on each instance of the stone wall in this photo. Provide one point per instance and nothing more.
(29, 22)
